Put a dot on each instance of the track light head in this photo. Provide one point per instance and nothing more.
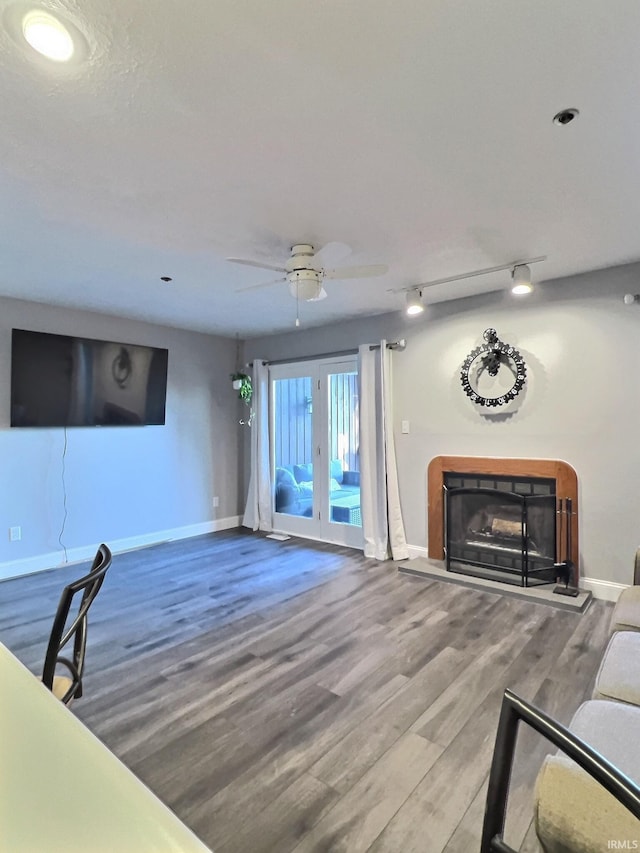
(630, 298)
(414, 303)
(521, 278)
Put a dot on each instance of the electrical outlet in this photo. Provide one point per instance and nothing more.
(15, 534)
(216, 502)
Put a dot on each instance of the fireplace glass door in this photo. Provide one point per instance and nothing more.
(501, 533)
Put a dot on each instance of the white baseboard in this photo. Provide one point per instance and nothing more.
(417, 551)
(55, 559)
(604, 590)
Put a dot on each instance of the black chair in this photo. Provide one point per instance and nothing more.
(515, 710)
(68, 687)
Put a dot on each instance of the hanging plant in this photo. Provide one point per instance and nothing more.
(242, 384)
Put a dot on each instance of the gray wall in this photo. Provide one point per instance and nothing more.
(581, 402)
(122, 483)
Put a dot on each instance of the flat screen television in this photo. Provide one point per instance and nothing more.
(58, 380)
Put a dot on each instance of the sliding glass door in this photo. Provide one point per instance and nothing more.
(315, 450)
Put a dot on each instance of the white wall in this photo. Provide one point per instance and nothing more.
(581, 403)
(125, 485)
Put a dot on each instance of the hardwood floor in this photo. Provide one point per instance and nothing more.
(292, 696)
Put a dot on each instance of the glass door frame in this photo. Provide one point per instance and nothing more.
(333, 531)
(282, 522)
(319, 525)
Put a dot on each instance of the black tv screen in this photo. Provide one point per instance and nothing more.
(57, 380)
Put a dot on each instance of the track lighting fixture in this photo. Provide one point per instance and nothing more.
(521, 278)
(520, 274)
(414, 303)
(631, 298)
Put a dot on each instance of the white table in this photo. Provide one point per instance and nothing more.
(62, 790)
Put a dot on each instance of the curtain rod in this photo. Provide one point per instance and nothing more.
(397, 345)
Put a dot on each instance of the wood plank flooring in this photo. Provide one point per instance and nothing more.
(293, 696)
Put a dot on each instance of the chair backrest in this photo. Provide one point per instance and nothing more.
(89, 585)
(515, 710)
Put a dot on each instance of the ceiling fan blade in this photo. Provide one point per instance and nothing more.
(256, 264)
(322, 294)
(258, 286)
(357, 272)
(330, 253)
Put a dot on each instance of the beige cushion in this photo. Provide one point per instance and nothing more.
(60, 685)
(619, 675)
(626, 613)
(574, 814)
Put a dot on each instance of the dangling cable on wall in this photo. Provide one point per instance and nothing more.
(64, 497)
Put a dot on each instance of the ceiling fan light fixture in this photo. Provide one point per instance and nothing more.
(414, 303)
(521, 278)
(307, 289)
(47, 35)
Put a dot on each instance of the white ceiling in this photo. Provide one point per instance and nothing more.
(418, 132)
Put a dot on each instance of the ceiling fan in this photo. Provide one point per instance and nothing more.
(305, 271)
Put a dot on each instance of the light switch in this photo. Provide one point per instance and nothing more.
(405, 427)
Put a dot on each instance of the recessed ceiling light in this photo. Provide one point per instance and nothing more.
(47, 35)
(565, 116)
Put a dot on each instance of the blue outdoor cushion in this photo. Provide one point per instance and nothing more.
(305, 490)
(284, 477)
(336, 470)
(287, 491)
(303, 473)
